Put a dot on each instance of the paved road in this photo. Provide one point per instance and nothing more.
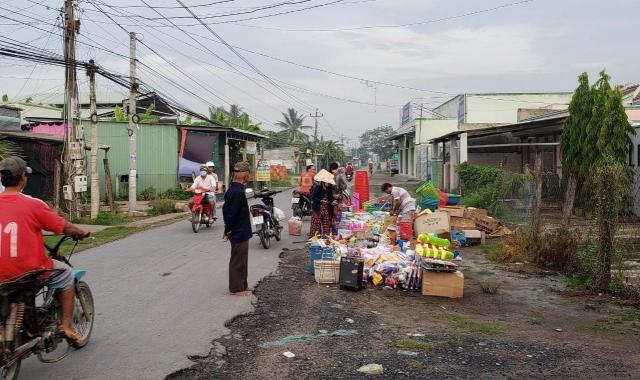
(160, 296)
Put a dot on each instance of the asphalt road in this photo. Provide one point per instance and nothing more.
(160, 296)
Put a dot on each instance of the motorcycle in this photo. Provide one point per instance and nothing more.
(30, 315)
(349, 177)
(300, 204)
(201, 212)
(264, 220)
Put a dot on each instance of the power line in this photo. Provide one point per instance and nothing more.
(387, 26)
(234, 51)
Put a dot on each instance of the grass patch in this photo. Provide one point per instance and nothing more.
(413, 345)
(618, 322)
(462, 324)
(579, 283)
(536, 321)
(161, 207)
(485, 271)
(105, 219)
(493, 249)
(281, 183)
(101, 237)
(489, 287)
(417, 365)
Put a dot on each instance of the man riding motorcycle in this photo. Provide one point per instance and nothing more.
(22, 220)
(348, 171)
(205, 182)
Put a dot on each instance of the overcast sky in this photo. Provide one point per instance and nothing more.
(535, 46)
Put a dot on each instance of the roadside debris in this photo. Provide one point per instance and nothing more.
(371, 369)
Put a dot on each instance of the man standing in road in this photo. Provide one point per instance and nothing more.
(237, 230)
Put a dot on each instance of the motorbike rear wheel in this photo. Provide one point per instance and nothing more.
(83, 313)
(278, 231)
(196, 220)
(265, 239)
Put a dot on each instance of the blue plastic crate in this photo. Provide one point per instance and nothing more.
(319, 253)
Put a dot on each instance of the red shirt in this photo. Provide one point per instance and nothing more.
(22, 219)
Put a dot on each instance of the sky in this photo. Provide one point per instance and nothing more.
(451, 47)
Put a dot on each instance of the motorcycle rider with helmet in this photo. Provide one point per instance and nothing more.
(204, 182)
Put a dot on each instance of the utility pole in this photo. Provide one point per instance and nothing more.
(133, 127)
(315, 136)
(73, 157)
(95, 184)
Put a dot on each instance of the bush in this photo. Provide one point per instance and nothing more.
(559, 250)
(175, 193)
(474, 178)
(148, 194)
(161, 207)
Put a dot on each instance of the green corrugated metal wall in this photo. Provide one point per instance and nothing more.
(158, 147)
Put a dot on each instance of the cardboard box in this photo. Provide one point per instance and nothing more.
(442, 284)
(437, 222)
(486, 223)
(472, 213)
(457, 211)
(462, 223)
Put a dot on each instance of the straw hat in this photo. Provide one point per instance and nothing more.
(324, 176)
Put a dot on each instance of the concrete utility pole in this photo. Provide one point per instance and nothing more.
(95, 184)
(315, 136)
(73, 156)
(133, 127)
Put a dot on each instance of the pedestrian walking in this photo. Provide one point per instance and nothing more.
(237, 230)
(322, 204)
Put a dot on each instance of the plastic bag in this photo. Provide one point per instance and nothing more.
(278, 214)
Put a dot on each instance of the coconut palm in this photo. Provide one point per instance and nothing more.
(293, 124)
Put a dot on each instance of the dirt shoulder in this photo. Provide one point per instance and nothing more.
(529, 328)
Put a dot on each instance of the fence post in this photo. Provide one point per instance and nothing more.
(537, 200)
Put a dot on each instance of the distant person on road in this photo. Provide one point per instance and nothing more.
(22, 220)
(403, 204)
(370, 166)
(237, 230)
(322, 205)
(349, 169)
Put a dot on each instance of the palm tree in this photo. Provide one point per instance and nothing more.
(293, 124)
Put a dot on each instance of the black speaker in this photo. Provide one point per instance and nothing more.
(351, 269)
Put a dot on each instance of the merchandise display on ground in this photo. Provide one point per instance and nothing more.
(417, 252)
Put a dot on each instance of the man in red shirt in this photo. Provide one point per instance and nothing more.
(22, 220)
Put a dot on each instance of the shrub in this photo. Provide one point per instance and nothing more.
(558, 250)
(474, 178)
(161, 207)
(148, 194)
(489, 287)
(175, 193)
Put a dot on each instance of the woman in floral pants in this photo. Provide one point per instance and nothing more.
(322, 205)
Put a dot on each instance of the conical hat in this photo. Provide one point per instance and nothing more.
(324, 176)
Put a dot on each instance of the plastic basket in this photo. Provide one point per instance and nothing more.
(318, 253)
(326, 271)
(454, 199)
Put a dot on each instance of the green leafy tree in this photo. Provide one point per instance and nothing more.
(188, 120)
(294, 125)
(331, 152)
(615, 134)
(149, 115)
(28, 100)
(572, 143)
(5, 98)
(376, 141)
(119, 114)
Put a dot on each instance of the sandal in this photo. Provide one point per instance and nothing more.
(72, 337)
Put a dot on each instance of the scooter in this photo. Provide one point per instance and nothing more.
(300, 204)
(264, 220)
(201, 212)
